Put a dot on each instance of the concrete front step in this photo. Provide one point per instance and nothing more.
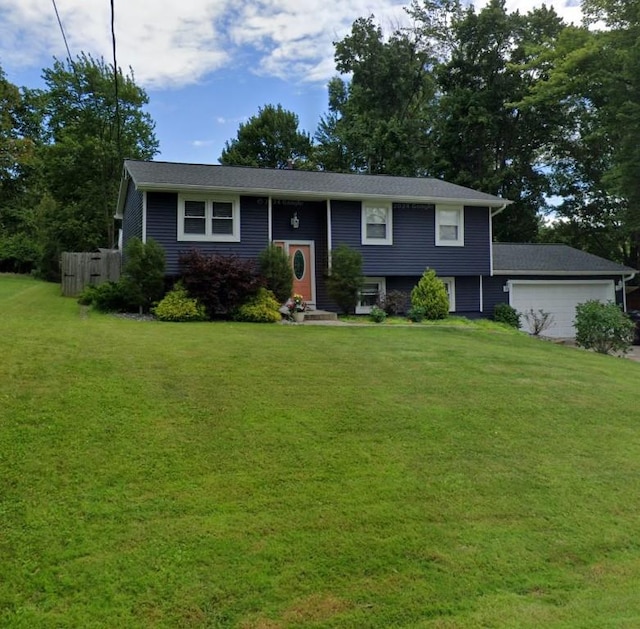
(320, 315)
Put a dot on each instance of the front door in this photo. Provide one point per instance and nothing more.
(301, 256)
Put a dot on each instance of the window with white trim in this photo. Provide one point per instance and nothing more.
(377, 224)
(372, 289)
(209, 218)
(450, 287)
(450, 226)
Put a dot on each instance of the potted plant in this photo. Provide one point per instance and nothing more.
(297, 305)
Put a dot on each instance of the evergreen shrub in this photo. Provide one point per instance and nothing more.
(430, 294)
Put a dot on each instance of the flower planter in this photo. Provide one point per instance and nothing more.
(298, 317)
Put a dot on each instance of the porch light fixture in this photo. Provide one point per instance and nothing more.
(295, 221)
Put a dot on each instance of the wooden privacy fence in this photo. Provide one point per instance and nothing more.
(81, 269)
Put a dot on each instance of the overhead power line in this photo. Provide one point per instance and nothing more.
(64, 37)
(115, 76)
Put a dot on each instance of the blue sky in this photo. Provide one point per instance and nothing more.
(207, 65)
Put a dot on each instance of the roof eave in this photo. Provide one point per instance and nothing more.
(122, 192)
(621, 271)
(310, 194)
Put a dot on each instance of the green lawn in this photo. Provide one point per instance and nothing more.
(237, 475)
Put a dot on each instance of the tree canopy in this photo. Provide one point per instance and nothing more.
(514, 104)
(61, 153)
(271, 139)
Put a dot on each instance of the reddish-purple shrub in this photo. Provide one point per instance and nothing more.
(220, 283)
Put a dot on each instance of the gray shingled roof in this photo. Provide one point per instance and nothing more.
(267, 181)
(552, 259)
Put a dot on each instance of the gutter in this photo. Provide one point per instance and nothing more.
(317, 195)
(625, 279)
(500, 209)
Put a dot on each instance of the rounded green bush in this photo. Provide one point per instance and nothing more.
(178, 306)
(262, 308)
(377, 315)
(504, 313)
(416, 314)
(603, 328)
(107, 297)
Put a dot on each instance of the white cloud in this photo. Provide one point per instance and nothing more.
(225, 121)
(198, 144)
(172, 44)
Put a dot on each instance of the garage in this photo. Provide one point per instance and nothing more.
(559, 298)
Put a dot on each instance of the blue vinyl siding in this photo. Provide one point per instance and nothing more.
(493, 293)
(132, 214)
(313, 226)
(467, 294)
(162, 225)
(467, 291)
(414, 248)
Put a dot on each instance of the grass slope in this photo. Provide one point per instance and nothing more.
(236, 475)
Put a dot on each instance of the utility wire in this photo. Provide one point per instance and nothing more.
(64, 37)
(115, 77)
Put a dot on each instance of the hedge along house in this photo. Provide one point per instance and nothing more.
(400, 225)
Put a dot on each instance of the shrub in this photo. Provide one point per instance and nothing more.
(345, 278)
(603, 327)
(275, 268)
(178, 306)
(262, 308)
(85, 298)
(19, 253)
(143, 272)
(395, 302)
(377, 314)
(221, 283)
(431, 295)
(504, 313)
(538, 321)
(416, 314)
(108, 297)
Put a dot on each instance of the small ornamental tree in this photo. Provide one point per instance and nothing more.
(220, 283)
(275, 268)
(345, 278)
(538, 321)
(603, 328)
(143, 272)
(430, 294)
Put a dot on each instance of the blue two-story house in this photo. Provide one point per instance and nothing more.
(400, 225)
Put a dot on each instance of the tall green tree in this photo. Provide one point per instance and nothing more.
(87, 134)
(18, 138)
(437, 99)
(271, 139)
(594, 77)
(376, 121)
(482, 139)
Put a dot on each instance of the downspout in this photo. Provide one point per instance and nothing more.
(491, 215)
(624, 289)
(270, 219)
(144, 216)
(329, 240)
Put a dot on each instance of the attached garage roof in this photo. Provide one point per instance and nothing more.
(148, 175)
(543, 259)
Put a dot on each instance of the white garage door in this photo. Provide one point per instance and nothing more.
(558, 298)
